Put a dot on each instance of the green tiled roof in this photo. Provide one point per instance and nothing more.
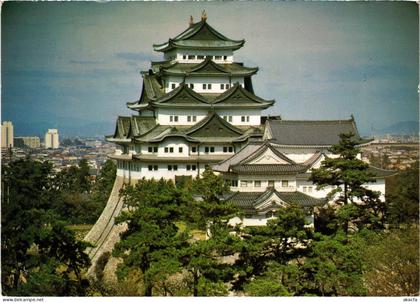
(200, 35)
(272, 169)
(314, 133)
(212, 129)
(206, 68)
(266, 146)
(240, 162)
(237, 95)
(251, 200)
(214, 125)
(130, 126)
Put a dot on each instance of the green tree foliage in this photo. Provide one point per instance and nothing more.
(345, 173)
(283, 240)
(333, 267)
(206, 261)
(82, 201)
(392, 263)
(152, 243)
(403, 197)
(39, 255)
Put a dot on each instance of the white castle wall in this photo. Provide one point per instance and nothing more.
(199, 81)
(243, 117)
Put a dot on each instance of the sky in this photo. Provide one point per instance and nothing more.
(74, 65)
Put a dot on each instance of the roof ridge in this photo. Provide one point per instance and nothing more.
(261, 150)
(207, 119)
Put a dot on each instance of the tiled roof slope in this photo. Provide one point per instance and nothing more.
(211, 129)
(314, 133)
(182, 97)
(250, 200)
(200, 35)
(205, 68)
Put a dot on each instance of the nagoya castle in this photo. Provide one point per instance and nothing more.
(198, 108)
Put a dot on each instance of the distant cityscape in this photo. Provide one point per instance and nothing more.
(395, 152)
(61, 152)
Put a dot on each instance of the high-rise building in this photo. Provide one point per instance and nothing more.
(7, 134)
(27, 142)
(51, 139)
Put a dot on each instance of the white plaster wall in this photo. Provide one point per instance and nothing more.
(141, 170)
(181, 52)
(199, 81)
(253, 221)
(218, 149)
(264, 183)
(254, 116)
(176, 144)
(163, 116)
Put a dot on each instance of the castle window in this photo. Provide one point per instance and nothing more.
(209, 86)
(217, 57)
(155, 167)
(257, 183)
(171, 118)
(222, 86)
(225, 149)
(169, 167)
(155, 149)
(175, 167)
(206, 149)
(204, 86)
(194, 118)
(173, 85)
(234, 183)
(230, 149)
(304, 189)
(191, 85)
(180, 149)
(150, 168)
(224, 57)
(309, 189)
(171, 149)
(166, 149)
(184, 57)
(271, 183)
(227, 86)
(244, 183)
(211, 149)
(191, 167)
(191, 57)
(200, 57)
(176, 118)
(269, 214)
(193, 149)
(284, 183)
(150, 149)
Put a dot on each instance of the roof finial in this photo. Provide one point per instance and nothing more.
(204, 15)
(191, 20)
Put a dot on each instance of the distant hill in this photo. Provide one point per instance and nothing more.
(401, 128)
